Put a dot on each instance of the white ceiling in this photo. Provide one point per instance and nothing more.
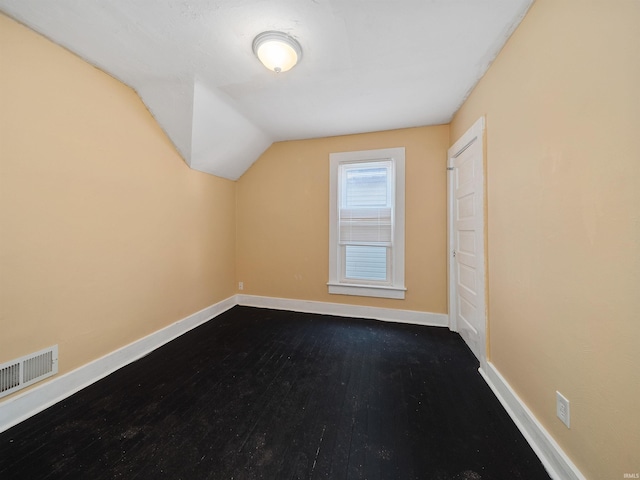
(367, 65)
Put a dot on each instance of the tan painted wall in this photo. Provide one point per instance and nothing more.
(105, 234)
(283, 219)
(562, 104)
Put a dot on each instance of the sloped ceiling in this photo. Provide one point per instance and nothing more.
(367, 65)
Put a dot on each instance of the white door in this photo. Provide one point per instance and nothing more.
(466, 240)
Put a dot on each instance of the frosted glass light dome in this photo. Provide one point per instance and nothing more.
(277, 51)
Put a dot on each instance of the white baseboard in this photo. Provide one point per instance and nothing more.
(343, 310)
(22, 406)
(557, 463)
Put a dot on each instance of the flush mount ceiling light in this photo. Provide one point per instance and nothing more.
(277, 51)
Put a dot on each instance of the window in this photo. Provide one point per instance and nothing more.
(366, 231)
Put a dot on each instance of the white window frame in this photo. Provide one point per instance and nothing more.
(337, 284)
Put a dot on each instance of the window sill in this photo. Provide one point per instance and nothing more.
(367, 290)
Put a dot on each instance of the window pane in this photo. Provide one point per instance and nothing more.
(366, 262)
(366, 187)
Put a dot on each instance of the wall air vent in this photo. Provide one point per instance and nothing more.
(24, 371)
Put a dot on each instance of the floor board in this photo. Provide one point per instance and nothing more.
(264, 394)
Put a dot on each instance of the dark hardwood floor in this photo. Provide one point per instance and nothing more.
(263, 394)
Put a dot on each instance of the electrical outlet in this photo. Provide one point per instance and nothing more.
(240, 285)
(562, 408)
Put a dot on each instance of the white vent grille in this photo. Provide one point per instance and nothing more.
(22, 372)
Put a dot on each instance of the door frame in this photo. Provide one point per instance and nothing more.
(475, 135)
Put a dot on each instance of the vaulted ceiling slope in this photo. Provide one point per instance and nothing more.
(367, 65)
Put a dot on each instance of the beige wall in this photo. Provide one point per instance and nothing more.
(562, 104)
(105, 234)
(283, 219)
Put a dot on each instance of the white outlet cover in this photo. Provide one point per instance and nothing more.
(562, 409)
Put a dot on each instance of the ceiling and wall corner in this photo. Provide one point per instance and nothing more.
(223, 142)
(367, 66)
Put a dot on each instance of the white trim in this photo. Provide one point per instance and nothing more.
(343, 310)
(20, 407)
(397, 287)
(557, 463)
(475, 135)
(367, 290)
